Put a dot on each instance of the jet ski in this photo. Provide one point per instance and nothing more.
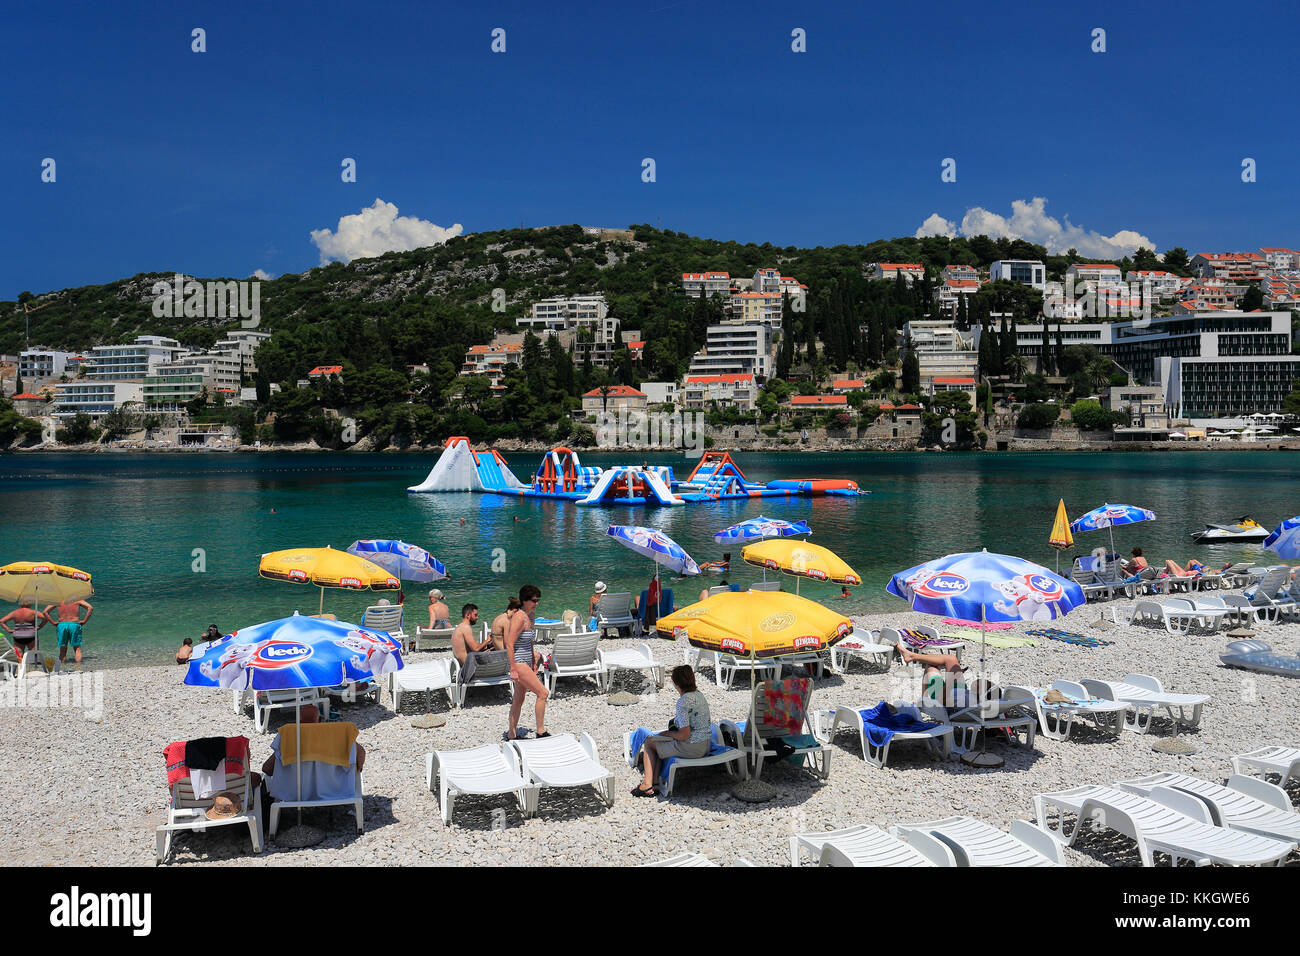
(1243, 529)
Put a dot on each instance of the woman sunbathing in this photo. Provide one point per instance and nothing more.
(939, 670)
(1194, 568)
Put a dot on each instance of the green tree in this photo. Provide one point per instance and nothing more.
(911, 378)
(79, 430)
(1252, 300)
(1177, 261)
(1038, 415)
(1090, 416)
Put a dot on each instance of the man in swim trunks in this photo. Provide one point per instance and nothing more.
(70, 623)
(22, 623)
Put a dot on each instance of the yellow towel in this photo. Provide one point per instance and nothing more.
(328, 743)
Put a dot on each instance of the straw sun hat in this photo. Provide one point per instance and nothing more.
(226, 805)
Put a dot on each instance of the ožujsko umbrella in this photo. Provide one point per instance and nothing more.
(801, 559)
(756, 624)
(294, 653)
(999, 587)
(1107, 516)
(326, 568)
(406, 561)
(41, 582)
(1060, 538)
(1285, 539)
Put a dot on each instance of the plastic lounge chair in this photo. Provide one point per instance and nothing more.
(1056, 721)
(386, 618)
(433, 638)
(1166, 821)
(574, 655)
(765, 586)
(976, 843)
(725, 753)
(1001, 711)
(639, 658)
(1283, 761)
(480, 771)
(615, 612)
(266, 701)
(1088, 583)
(760, 731)
(694, 859)
(1145, 695)
(426, 676)
(187, 812)
(492, 674)
(561, 762)
(1236, 575)
(1243, 803)
(310, 796)
(1178, 615)
(1264, 601)
(865, 845)
(863, 648)
(826, 723)
(726, 667)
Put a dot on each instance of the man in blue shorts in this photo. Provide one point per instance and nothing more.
(70, 621)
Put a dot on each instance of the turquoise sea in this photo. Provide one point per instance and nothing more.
(141, 523)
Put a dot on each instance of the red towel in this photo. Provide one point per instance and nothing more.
(174, 754)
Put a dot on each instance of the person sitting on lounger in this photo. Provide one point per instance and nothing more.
(309, 715)
(597, 593)
(687, 736)
(502, 622)
(1137, 564)
(439, 615)
(462, 639)
(941, 671)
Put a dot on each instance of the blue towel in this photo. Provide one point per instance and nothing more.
(591, 625)
(881, 724)
(638, 738)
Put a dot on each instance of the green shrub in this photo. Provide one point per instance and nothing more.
(1038, 416)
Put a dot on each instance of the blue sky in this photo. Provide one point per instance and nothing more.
(225, 162)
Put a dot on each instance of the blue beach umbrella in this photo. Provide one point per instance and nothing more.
(654, 545)
(1285, 539)
(294, 653)
(761, 528)
(977, 585)
(1107, 516)
(402, 560)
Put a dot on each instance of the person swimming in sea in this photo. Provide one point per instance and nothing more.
(718, 567)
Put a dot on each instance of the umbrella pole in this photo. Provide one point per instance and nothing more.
(982, 758)
(321, 608)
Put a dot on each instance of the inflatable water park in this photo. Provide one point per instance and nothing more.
(562, 475)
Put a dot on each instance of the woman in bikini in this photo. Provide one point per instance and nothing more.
(501, 622)
(520, 634)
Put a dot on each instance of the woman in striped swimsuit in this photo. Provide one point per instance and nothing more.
(520, 634)
(26, 622)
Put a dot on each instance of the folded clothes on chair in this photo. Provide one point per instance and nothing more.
(881, 724)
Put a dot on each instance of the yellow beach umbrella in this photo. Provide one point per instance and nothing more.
(39, 581)
(801, 559)
(326, 568)
(1061, 539)
(756, 624)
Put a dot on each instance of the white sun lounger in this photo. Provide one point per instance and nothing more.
(1283, 761)
(865, 845)
(1243, 803)
(1056, 721)
(826, 723)
(1178, 614)
(188, 812)
(426, 676)
(487, 675)
(266, 701)
(1002, 711)
(1270, 599)
(1145, 695)
(1166, 821)
(575, 655)
(726, 667)
(561, 762)
(386, 618)
(760, 731)
(615, 611)
(638, 658)
(694, 859)
(732, 758)
(864, 648)
(480, 771)
(976, 843)
(433, 638)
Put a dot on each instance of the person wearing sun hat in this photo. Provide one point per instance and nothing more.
(600, 590)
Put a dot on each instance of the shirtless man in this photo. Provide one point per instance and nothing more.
(69, 622)
(22, 623)
(462, 639)
(502, 622)
(439, 616)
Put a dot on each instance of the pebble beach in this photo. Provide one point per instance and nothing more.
(93, 790)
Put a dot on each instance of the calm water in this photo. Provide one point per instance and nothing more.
(134, 522)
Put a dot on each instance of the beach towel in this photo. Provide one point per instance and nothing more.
(1067, 637)
(641, 733)
(989, 626)
(326, 743)
(918, 641)
(472, 661)
(174, 755)
(784, 699)
(881, 724)
(995, 640)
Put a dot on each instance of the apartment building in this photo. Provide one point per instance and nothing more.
(1161, 283)
(1094, 276)
(947, 357)
(706, 283)
(770, 281)
(911, 271)
(700, 391)
(961, 273)
(615, 397)
(1028, 272)
(562, 313)
(131, 363)
(1145, 404)
(492, 361)
(1281, 260)
(1281, 289)
(735, 350)
(243, 343)
(661, 393)
(38, 366)
(93, 398)
(745, 308)
(1238, 266)
(950, 292)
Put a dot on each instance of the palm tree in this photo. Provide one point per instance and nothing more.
(1017, 365)
(1098, 372)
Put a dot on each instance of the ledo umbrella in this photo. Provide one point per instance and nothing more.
(654, 545)
(326, 568)
(1060, 538)
(759, 528)
(990, 587)
(1285, 539)
(801, 559)
(407, 561)
(294, 653)
(1107, 516)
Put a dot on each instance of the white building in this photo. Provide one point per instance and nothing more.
(734, 350)
(38, 366)
(660, 393)
(131, 363)
(1028, 272)
(1241, 266)
(947, 357)
(561, 313)
(94, 398)
(699, 391)
(243, 343)
(962, 273)
(771, 281)
(1282, 260)
(492, 361)
(949, 292)
(911, 271)
(706, 283)
(745, 308)
(1094, 276)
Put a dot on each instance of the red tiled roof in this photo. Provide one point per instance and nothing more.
(886, 406)
(326, 370)
(899, 265)
(846, 383)
(28, 395)
(909, 407)
(738, 379)
(954, 381)
(819, 400)
(636, 345)
(614, 392)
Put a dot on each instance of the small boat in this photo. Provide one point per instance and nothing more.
(1243, 529)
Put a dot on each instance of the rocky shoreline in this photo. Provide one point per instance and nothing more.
(111, 785)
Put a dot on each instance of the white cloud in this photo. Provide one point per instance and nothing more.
(262, 274)
(1029, 221)
(378, 229)
(936, 225)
